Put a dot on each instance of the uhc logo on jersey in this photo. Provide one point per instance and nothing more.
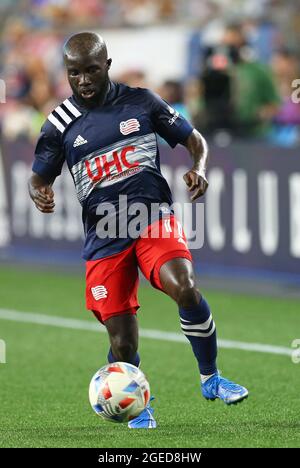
(113, 163)
(129, 126)
(104, 166)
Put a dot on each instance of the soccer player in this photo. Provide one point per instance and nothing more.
(106, 132)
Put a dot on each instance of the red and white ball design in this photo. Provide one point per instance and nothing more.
(119, 392)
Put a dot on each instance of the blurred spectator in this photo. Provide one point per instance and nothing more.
(140, 12)
(263, 36)
(237, 89)
(238, 92)
(257, 100)
(173, 92)
(211, 25)
(29, 68)
(21, 121)
(145, 12)
(63, 13)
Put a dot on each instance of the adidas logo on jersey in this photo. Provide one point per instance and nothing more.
(79, 141)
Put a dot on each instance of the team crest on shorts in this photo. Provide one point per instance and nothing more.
(129, 126)
(99, 292)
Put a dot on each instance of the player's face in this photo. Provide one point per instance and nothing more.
(88, 77)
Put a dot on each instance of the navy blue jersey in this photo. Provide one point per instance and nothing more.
(110, 151)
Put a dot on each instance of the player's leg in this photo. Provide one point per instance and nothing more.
(112, 295)
(165, 260)
(123, 336)
(167, 263)
(177, 280)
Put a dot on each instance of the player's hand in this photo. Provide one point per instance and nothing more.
(197, 181)
(43, 197)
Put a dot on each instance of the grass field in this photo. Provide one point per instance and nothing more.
(44, 384)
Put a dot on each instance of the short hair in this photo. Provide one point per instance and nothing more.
(85, 43)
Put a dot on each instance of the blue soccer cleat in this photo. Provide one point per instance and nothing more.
(145, 420)
(218, 387)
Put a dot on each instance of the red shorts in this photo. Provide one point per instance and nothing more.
(112, 282)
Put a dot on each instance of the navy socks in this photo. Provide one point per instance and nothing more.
(135, 361)
(199, 328)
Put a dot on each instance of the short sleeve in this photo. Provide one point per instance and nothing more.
(49, 157)
(167, 121)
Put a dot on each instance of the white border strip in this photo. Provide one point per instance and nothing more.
(75, 324)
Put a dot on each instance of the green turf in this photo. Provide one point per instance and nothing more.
(43, 385)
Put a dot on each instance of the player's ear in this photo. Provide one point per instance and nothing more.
(109, 61)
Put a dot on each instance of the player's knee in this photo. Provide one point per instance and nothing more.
(186, 294)
(123, 349)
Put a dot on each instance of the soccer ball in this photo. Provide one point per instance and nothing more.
(119, 392)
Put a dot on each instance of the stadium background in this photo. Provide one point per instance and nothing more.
(185, 51)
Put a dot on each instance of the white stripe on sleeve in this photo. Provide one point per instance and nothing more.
(72, 108)
(56, 122)
(63, 114)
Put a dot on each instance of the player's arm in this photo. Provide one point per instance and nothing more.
(47, 165)
(195, 178)
(171, 126)
(41, 193)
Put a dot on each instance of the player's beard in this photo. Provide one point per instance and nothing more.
(98, 98)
